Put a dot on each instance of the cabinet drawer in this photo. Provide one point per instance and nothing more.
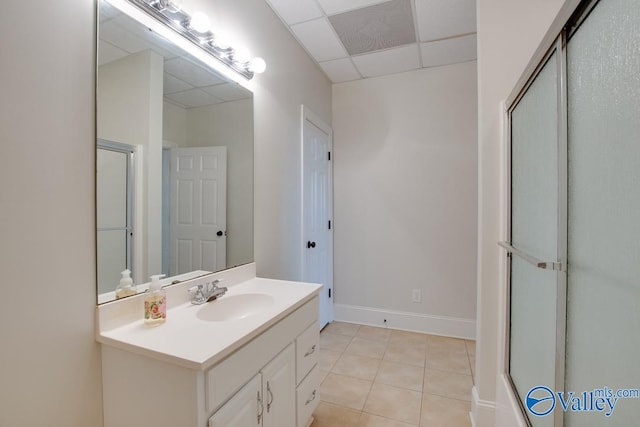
(307, 348)
(308, 396)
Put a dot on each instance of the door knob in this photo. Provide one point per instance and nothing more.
(311, 245)
(219, 233)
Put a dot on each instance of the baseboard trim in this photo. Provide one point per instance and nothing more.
(407, 321)
(483, 412)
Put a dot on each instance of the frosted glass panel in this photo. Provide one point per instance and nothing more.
(112, 258)
(603, 339)
(533, 326)
(534, 230)
(534, 160)
(111, 188)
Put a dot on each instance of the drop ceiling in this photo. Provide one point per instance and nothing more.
(355, 39)
(187, 82)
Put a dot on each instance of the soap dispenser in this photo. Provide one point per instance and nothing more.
(126, 287)
(155, 302)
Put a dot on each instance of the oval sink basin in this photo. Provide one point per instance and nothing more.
(234, 307)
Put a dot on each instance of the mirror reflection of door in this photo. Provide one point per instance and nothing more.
(198, 209)
(114, 209)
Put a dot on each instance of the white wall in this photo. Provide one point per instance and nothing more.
(49, 361)
(174, 124)
(406, 199)
(509, 31)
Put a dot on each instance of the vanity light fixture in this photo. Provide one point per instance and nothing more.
(200, 23)
(197, 30)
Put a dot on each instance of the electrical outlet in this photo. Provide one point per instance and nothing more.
(416, 295)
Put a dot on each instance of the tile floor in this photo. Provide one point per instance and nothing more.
(378, 377)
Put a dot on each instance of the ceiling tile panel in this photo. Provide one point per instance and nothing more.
(389, 61)
(378, 27)
(193, 98)
(340, 70)
(320, 40)
(439, 19)
(109, 52)
(190, 73)
(449, 51)
(228, 92)
(113, 33)
(173, 84)
(296, 11)
(349, 42)
(331, 7)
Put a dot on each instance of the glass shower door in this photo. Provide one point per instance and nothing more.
(603, 310)
(534, 250)
(114, 212)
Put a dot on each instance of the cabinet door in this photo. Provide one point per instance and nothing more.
(278, 383)
(244, 409)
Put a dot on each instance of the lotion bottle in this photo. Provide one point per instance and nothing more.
(126, 287)
(155, 303)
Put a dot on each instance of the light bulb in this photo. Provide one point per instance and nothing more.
(257, 65)
(221, 41)
(241, 56)
(174, 6)
(200, 22)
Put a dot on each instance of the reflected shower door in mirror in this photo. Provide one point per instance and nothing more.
(174, 160)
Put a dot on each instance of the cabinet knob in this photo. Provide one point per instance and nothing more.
(311, 351)
(270, 401)
(260, 408)
(311, 398)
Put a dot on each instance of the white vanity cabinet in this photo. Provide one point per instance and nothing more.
(270, 380)
(268, 400)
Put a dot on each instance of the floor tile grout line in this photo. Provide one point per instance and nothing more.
(381, 360)
(448, 397)
(387, 418)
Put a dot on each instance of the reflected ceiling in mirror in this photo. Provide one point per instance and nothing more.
(174, 160)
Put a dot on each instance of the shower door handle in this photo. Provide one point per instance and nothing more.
(546, 265)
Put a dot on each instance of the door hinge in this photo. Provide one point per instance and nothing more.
(329, 155)
(329, 292)
(329, 224)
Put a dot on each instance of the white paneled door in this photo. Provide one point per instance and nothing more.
(198, 218)
(317, 196)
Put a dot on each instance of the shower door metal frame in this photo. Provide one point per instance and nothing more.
(568, 20)
(559, 264)
(130, 152)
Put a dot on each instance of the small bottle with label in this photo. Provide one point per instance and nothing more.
(126, 287)
(155, 302)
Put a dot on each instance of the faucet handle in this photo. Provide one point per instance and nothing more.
(197, 288)
(213, 284)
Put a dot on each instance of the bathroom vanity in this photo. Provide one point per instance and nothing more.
(248, 358)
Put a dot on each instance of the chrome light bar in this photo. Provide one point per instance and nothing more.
(179, 21)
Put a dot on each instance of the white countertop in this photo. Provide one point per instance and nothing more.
(187, 341)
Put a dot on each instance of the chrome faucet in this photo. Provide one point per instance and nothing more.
(206, 292)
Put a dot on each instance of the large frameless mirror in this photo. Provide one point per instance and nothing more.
(174, 178)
